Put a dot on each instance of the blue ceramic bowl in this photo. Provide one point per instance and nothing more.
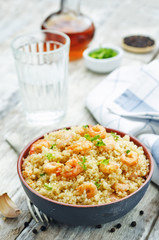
(85, 214)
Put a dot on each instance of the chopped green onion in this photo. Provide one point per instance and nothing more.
(53, 145)
(100, 143)
(105, 161)
(88, 137)
(48, 186)
(102, 53)
(49, 156)
(82, 164)
(127, 151)
(95, 138)
(97, 183)
(85, 126)
(42, 174)
(84, 159)
(115, 136)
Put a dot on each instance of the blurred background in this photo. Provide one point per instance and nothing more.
(115, 18)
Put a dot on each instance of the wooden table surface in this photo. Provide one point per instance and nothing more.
(113, 19)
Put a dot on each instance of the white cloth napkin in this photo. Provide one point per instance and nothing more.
(128, 100)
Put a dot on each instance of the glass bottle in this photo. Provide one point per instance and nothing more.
(77, 26)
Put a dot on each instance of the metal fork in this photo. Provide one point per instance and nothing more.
(37, 215)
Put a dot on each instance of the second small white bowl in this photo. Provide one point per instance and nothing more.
(103, 65)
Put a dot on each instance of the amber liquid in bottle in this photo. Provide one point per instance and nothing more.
(79, 28)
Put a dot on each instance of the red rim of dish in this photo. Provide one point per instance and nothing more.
(25, 151)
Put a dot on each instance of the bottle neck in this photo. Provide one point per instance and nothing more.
(70, 6)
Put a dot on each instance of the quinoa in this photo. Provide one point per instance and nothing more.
(97, 164)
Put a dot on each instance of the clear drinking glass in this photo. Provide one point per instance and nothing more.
(42, 68)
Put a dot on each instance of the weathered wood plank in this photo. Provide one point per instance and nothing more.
(154, 234)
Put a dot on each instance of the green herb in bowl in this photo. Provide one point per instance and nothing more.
(102, 53)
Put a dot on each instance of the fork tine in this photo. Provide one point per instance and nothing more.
(38, 213)
(31, 210)
(46, 218)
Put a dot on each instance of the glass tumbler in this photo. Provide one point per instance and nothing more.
(42, 69)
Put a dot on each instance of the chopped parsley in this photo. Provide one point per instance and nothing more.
(115, 136)
(53, 145)
(58, 161)
(48, 186)
(127, 151)
(95, 138)
(82, 164)
(49, 156)
(42, 174)
(105, 161)
(97, 183)
(100, 143)
(88, 137)
(85, 126)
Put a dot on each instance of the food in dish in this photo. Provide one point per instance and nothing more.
(103, 59)
(85, 165)
(103, 53)
(138, 44)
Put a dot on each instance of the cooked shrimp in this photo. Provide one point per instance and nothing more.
(90, 188)
(65, 141)
(53, 167)
(97, 130)
(80, 131)
(72, 168)
(36, 147)
(109, 145)
(133, 175)
(109, 168)
(130, 159)
(81, 147)
(113, 197)
(121, 187)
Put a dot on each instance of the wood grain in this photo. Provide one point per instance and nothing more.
(113, 19)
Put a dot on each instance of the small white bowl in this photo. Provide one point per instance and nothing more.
(102, 65)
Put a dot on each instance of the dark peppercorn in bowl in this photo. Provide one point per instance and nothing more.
(138, 44)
